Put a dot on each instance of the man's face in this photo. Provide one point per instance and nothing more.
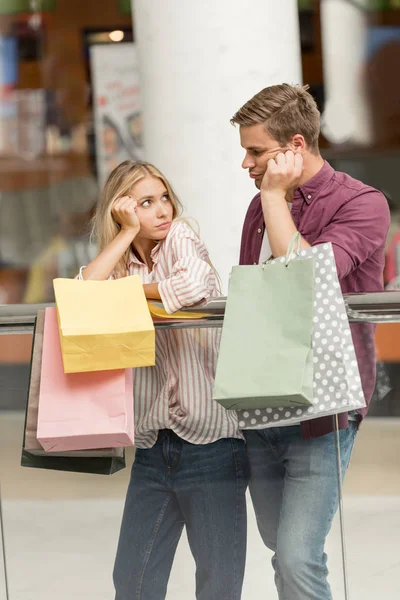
(260, 147)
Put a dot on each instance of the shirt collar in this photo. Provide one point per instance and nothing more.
(311, 188)
(154, 256)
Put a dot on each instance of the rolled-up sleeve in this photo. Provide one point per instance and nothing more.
(358, 229)
(192, 279)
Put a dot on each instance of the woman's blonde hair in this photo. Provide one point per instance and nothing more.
(120, 183)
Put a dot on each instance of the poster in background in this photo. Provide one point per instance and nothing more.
(22, 111)
(116, 101)
(8, 81)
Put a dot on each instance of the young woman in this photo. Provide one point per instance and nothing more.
(190, 465)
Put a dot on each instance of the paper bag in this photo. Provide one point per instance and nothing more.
(81, 411)
(265, 358)
(101, 462)
(104, 325)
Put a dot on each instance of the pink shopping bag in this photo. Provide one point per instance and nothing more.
(81, 411)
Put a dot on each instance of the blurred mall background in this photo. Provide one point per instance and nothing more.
(84, 85)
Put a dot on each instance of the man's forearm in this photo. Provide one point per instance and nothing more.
(278, 222)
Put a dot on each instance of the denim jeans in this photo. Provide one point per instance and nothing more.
(294, 489)
(177, 484)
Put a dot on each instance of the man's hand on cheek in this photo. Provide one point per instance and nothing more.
(283, 174)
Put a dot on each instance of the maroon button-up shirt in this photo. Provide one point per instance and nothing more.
(334, 207)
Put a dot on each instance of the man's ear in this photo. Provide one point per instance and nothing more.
(299, 143)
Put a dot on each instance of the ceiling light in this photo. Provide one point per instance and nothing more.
(116, 36)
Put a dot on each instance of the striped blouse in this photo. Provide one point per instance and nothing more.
(177, 392)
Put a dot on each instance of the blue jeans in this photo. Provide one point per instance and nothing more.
(175, 484)
(294, 489)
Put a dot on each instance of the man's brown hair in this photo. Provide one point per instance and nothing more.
(285, 110)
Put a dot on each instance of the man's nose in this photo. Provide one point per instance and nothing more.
(248, 162)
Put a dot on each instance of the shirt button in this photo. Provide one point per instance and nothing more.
(309, 197)
(260, 230)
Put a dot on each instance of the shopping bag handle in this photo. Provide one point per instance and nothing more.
(293, 246)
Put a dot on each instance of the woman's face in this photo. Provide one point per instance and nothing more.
(154, 208)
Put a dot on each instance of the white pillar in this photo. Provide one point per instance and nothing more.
(199, 62)
(344, 37)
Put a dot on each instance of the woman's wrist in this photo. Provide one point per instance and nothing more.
(128, 234)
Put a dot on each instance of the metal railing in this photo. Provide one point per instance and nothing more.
(379, 307)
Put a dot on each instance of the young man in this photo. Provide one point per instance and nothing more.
(294, 485)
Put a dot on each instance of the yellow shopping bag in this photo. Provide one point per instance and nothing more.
(160, 313)
(104, 325)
